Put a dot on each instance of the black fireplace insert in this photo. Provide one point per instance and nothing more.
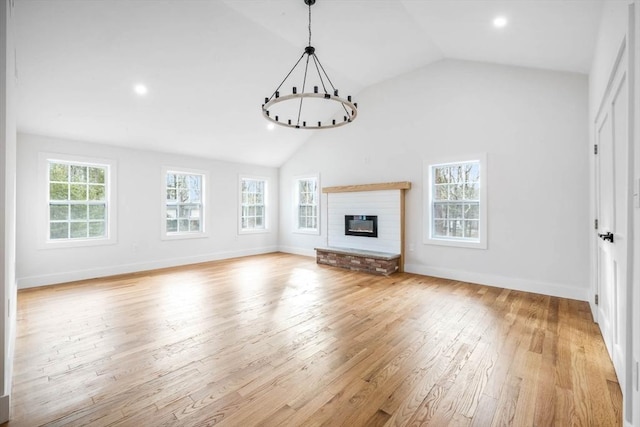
(361, 225)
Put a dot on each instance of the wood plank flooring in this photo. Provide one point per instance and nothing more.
(276, 340)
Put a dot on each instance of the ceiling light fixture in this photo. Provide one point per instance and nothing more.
(140, 89)
(500, 22)
(324, 91)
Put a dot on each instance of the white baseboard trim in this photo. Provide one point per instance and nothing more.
(71, 276)
(298, 251)
(516, 284)
(5, 408)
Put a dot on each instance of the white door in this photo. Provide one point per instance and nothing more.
(612, 198)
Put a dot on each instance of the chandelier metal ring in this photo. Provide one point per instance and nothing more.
(347, 105)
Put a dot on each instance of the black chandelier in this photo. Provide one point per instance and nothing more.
(325, 91)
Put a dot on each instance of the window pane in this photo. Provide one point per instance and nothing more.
(183, 225)
(58, 192)
(456, 191)
(472, 211)
(172, 212)
(441, 175)
(78, 173)
(259, 222)
(171, 195)
(59, 230)
(440, 228)
(474, 172)
(171, 180)
(455, 211)
(78, 230)
(58, 172)
(97, 211)
(172, 226)
(455, 228)
(471, 229)
(96, 229)
(471, 191)
(96, 175)
(96, 192)
(79, 212)
(78, 192)
(441, 192)
(58, 212)
(439, 211)
(194, 225)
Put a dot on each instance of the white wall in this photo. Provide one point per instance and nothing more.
(7, 203)
(139, 246)
(533, 126)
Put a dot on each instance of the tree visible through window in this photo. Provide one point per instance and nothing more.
(184, 202)
(78, 202)
(455, 201)
(307, 204)
(253, 208)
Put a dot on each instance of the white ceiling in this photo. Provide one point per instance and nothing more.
(209, 64)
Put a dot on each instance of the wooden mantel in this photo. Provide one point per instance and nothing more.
(402, 185)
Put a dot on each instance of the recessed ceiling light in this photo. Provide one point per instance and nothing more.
(500, 22)
(271, 126)
(140, 89)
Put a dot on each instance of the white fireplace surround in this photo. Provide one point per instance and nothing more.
(386, 204)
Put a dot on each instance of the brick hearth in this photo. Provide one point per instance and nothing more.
(380, 263)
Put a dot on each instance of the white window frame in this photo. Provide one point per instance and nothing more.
(166, 235)
(44, 240)
(266, 205)
(428, 238)
(296, 204)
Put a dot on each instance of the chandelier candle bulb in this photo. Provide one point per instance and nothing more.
(319, 124)
(295, 90)
(277, 94)
(266, 100)
(315, 89)
(334, 121)
(276, 118)
(335, 92)
(349, 98)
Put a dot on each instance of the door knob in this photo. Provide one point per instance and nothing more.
(607, 236)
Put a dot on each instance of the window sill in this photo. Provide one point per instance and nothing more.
(182, 236)
(456, 243)
(79, 243)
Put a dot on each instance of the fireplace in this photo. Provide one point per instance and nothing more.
(361, 225)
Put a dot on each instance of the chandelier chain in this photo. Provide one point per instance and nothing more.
(309, 24)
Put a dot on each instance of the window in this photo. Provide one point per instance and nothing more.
(253, 207)
(456, 209)
(78, 193)
(183, 203)
(77, 201)
(307, 199)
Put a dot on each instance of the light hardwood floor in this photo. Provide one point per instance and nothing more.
(278, 340)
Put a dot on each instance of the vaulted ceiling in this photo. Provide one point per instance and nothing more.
(208, 64)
